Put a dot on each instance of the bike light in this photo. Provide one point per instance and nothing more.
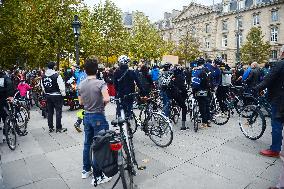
(116, 146)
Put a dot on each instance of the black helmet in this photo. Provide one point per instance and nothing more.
(200, 61)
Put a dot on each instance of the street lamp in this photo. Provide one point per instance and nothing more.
(76, 25)
(238, 33)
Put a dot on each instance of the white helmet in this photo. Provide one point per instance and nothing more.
(123, 59)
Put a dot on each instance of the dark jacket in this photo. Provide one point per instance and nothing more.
(274, 82)
(254, 77)
(124, 81)
(8, 89)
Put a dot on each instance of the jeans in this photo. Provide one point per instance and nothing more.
(204, 108)
(93, 123)
(127, 105)
(166, 103)
(54, 102)
(276, 130)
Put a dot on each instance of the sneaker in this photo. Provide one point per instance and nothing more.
(184, 128)
(62, 130)
(51, 130)
(101, 180)
(77, 127)
(269, 153)
(86, 174)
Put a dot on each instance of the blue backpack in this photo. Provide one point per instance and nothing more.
(196, 79)
(246, 74)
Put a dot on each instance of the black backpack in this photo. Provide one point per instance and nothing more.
(106, 159)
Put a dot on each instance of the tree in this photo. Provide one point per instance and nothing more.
(145, 41)
(188, 48)
(109, 33)
(255, 49)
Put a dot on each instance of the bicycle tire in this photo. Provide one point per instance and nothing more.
(217, 113)
(126, 168)
(133, 123)
(251, 122)
(163, 128)
(22, 117)
(174, 114)
(10, 134)
(195, 118)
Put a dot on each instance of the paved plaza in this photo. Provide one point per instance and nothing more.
(218, 158)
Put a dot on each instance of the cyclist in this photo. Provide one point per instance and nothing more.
(54, 88)
(124, 83)
(164, 81)
(178, 92)
(6, 91)
(93, 95)
(201, 87)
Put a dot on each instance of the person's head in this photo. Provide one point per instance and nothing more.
(200, 62)
(123, 60)
(266, 65)
(91, 66)
(144, 69)
(51, 65)
(254, 65)
(167, 66)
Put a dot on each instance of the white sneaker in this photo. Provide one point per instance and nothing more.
(101, 180)
(86, 174)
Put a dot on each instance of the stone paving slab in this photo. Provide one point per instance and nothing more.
(218, 157)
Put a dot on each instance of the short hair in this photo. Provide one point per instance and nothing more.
(91, 66)
(51, 65)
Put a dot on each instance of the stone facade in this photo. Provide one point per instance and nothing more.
(215, 27)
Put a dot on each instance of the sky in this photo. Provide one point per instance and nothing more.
(153, 8)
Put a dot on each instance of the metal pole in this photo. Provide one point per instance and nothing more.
(238, 33)
(77, 51)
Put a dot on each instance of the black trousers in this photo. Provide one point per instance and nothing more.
(221, 95)
(204, 107)
(3, 114)
(54, 102)
(182, 105)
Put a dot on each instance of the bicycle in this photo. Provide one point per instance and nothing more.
(193, 110)
(153, 123)
(126, 156)
(252, 120)
(12, 125)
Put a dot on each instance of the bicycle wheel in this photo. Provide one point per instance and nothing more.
(10, 133)
(195, 113)
(220, 117)
(174, 114)
(159, 129)
(134, 122)
(253, 124)
(126, 169)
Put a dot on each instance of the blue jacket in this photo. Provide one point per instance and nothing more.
(155, 74)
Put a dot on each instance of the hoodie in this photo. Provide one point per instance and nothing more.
(60, 83)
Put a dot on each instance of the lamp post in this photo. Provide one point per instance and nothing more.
(238, 33)
(76, 25)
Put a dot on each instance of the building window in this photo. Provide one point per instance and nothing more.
(274, 54)
(225, 25)
(239, 22)
(274, 15)
(207, 43)
(274, 34)
(241, 4)
(240, 39)
(225, 41)
(256, 19)
(225, 57)
(258, 1)
(207, 29)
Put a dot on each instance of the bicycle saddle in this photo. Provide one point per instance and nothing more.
(118, 121)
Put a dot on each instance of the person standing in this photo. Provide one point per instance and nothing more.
(54, 88)
(274, 82)
(93, 95)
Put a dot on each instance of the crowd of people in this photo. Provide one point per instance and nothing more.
(92, 88)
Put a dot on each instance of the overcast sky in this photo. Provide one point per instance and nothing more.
(153, 8)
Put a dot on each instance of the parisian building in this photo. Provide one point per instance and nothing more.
(215, 27)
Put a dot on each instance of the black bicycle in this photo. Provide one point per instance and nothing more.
(15, 123)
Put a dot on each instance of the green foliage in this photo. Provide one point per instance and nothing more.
(146, 42)
(255, 49)
(188, 48)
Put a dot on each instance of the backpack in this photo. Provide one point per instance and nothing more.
(145, 81)
(165, 80)
(201, 79)
(106, 159)
(50, 83)
(246, 74)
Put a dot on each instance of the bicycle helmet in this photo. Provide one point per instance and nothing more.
(123, 60)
